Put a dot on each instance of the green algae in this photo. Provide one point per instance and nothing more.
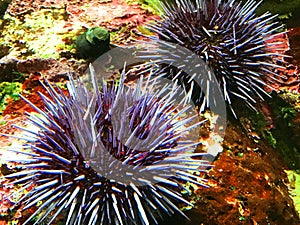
(39, 34)
(279, 126)
(93, 43)
(287, 127)
(283, 134)
(9, 90)
(294, 187)
(96, 34)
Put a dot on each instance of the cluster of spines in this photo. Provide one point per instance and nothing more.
(231, 39)
(110, 156)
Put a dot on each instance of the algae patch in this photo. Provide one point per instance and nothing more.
(294, 186)
(41, 34)
(9, 91)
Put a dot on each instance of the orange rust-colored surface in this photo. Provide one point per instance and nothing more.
(248, 187)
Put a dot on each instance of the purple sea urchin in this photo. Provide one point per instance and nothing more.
(230, 38)
(115, 156)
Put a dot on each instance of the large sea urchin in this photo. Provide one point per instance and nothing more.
(112, 156)
(230, 38)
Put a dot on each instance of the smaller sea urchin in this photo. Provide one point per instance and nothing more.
(230, 38)
(111, 156)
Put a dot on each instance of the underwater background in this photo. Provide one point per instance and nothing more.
(255, 179)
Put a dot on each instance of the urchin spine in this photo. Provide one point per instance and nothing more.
(231, 39)
(104, 170)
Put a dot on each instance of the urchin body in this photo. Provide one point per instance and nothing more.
(230, 38)
(114, 156)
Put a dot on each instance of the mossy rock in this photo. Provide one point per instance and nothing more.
(93, 43)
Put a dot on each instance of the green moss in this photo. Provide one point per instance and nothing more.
(9, 90)
(286, 130)
(294, 186)
(258, 121)
(259, 125)
(269, 136)
(288, 114)
(282, 127)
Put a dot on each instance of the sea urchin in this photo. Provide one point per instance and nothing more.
(118, 155)
(230, 38)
